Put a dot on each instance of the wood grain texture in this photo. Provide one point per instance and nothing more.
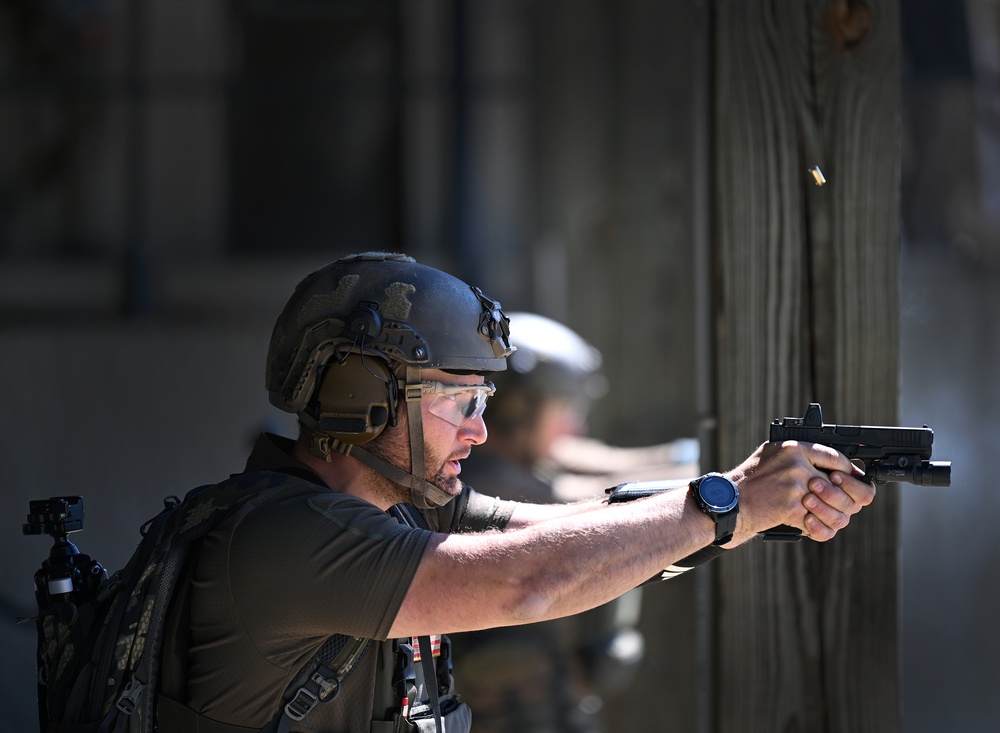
(807, 280)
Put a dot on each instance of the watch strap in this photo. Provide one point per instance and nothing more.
(695, 559)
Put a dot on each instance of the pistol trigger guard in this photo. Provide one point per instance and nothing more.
(782, 533)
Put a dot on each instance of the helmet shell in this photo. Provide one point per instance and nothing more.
(384, 305)
(551, 360)
(551, 363)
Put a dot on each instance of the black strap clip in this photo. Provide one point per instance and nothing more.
(319, 688)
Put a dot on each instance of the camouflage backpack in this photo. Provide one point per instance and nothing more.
(100, 638)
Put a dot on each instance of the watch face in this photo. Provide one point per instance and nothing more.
(718, 492)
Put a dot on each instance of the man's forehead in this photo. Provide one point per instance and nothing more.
(439, 375)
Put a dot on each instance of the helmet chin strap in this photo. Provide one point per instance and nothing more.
(423, 494)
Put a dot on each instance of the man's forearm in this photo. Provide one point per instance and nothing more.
(550, 568)
(525, 514)
(599, 554)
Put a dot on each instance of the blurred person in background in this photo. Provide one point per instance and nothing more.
(554, 676)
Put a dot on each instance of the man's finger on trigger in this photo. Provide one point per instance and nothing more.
(829, 459)
(859, 490)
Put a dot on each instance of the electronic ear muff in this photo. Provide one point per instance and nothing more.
(356, 399)
(357, 394)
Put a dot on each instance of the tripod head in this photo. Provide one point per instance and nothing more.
(68, 576)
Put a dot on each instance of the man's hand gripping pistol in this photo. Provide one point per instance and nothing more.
(884, 453)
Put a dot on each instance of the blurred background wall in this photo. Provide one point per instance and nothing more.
(169, 169)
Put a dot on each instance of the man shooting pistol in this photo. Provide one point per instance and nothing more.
(885, 453)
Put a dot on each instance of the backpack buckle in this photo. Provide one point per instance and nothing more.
(128, 701)
(306, 699)
(300, 705)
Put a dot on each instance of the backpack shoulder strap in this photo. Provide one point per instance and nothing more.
(168, 542)
(409, 515)
(320, 679)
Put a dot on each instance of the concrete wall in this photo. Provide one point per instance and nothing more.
(950, 587)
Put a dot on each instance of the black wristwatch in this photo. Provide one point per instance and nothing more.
(719, 498)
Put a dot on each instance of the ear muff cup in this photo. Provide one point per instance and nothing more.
(356, 399)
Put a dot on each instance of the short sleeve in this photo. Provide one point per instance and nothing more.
(332, 564)
(471, 511)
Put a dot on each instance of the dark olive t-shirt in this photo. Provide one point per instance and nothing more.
(271, 584)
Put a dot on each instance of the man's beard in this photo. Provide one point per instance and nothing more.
(449, 484)
(395, 449)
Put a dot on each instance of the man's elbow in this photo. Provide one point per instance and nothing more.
(538, 596)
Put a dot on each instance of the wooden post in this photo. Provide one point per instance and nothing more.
(807, 310)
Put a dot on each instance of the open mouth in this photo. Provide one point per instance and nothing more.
(456, 462)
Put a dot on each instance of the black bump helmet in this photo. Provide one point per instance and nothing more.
(334, 346)
(385, 305)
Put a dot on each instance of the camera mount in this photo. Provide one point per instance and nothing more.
(68, 576)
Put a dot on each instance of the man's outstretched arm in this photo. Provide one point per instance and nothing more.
(559, 560)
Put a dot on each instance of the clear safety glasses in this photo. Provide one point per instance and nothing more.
(457, 403)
